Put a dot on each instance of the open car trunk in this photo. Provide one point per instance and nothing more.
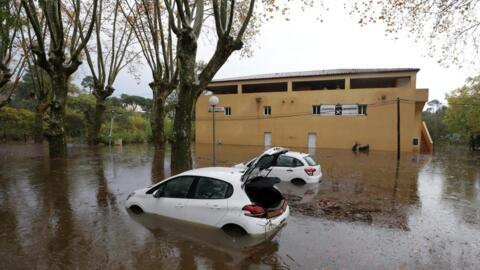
(261, 192)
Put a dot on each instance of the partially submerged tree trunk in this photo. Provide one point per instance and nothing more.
(187, 88)
(58, 38)
(55, 132)
(96, 119)
(186, 22)
(157, 119)
(40, 108)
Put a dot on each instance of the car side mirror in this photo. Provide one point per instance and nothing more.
(158, 193)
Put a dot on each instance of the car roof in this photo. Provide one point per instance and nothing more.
(227, 174)
(295, 154)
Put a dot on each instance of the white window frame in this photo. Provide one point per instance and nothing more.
(228, 111)
(267, 110)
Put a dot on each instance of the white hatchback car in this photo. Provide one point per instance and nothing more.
(295, 167)
(219, 197)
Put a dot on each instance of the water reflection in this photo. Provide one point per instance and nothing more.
(422, 212)
(215, 247)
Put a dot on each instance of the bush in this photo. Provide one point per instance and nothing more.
(16, 124)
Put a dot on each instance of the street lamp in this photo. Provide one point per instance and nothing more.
(213, 101)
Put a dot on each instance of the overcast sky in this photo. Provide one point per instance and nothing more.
(305, 43)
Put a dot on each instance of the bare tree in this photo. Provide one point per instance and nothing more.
(11, 63)
(57, 48)
(40, 83)
(112, 50)
(451, 28)
(149, 20)
(186, 18)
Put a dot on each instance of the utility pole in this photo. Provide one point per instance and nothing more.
(398, 128)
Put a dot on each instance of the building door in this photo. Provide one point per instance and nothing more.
(268, 139)
(312, 140)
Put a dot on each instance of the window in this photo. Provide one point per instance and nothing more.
(267, 110)
(264, 87)
(264, 162)
(384, 82)
(310, 161)
(208, 188)
(226, 89)
(316, 109)
(318, 85)
(415, 141)
(362, 109)
(228, 111)
(176, 188)
(286, 161)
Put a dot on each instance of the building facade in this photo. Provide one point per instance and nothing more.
(321, 109)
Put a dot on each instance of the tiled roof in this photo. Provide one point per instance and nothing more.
(315, 73)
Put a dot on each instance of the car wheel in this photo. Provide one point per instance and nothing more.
(234, 230)
(298, 182)
(136, 209)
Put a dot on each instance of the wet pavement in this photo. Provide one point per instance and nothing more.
(369, 212)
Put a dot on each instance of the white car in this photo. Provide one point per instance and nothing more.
(295, 167)
(219, 197)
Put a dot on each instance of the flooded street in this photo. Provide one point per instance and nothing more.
(368, 212)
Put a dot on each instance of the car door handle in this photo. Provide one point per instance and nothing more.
(179, 205)
(289, 170)
(215, 206)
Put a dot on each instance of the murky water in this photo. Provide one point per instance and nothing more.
(369, 212)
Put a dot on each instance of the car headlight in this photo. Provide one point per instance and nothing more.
(130, 195)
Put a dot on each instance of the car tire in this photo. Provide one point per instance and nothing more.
(298, 182)
(136, 209)
(234, 230)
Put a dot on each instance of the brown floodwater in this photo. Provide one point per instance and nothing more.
(368, 212)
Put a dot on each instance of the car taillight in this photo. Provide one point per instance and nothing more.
(310, 171)
(253, 210)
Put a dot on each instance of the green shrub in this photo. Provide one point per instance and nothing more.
(16, 124)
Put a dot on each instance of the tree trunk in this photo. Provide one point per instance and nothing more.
(38, 126)
(182, 132)
(187, 89)
(56, 121)
(95, 124)
(157, 118)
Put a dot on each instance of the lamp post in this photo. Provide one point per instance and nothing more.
(213, 102)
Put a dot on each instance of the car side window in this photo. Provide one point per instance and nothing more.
(178, 187)
(297, 163)
(285, 161)
(208, 188)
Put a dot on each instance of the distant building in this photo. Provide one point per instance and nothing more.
(322, 109)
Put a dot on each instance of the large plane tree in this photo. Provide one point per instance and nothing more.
(449, 28)
(230, 19)
(149, 21)
(57, 45)
(11, 63)
(110, 52)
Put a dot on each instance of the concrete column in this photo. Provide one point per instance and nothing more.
(289, 86)
(347, 83)
(239, 89)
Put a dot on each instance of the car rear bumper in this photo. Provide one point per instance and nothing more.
(313, 179)
(263, 225)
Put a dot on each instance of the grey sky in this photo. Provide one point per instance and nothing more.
(305, 43)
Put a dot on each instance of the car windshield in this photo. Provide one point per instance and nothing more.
(310, 161)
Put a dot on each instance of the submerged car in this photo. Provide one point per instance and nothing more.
(219, 197)
(295, 167)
